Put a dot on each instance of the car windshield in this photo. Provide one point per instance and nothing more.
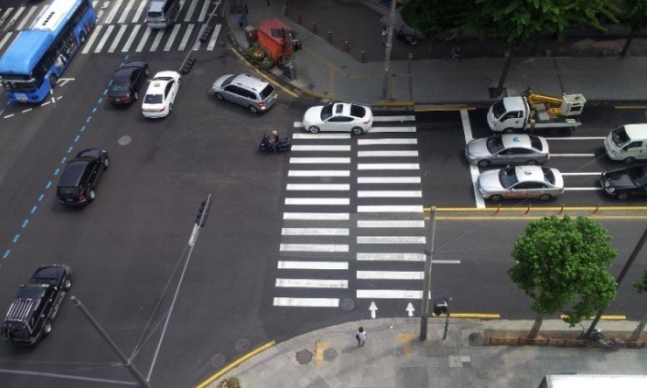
(326, 112)
(153, 99)
(357, 111)
(498, 109)
(265, 93)
(638, 175)
(508, 177)
(536, 143)
(619, 136)
(494, 144)
(548, 175)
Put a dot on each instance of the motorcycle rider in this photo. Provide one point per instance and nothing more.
(274, 140)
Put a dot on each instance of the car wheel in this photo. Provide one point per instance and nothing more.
(629, 160)
(52, 80)
(623, 196)
(483, 163)
(47, 327)
(532, 163)
(508, 130)
(253, 109)
(219, 96)
(313, 129)
(495, 198)
(91, 194)
(357, 131)
(67, 284)
(545, 197)
(106, 163)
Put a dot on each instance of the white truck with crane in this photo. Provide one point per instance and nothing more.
(533, 111)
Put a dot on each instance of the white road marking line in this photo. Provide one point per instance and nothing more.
(581, 173)
(143, 40)
(320, 148)
(388, 179)
(390, 209)
(5, 39)
(14, 18)
(189, 13)
(391, 240)
(306, 302)
(323, 265)
(140, 9)
(88, 43)
(171, 39)
(317, 216)
(124, 14)
(390, 224)
(104, 38)
(386, 141)
(310, 136)
(393, 154)
(388, 166)
(214, 37)
(572, 155)
(474, 170)
(319, 160)
(312, 283)
(203, 12)
(381, 119)
(315, 232)
(27, 17)
(583, 188)
(314, 248)
(318, 187)
(392, 129)
(185, 38)
(317, 201)
(113, 12)
(311, 173)
(389, 194)
(391, 275)
(131, 38)
(120, 33)
(576, 138)
(389, 294)
(156, 41)
(364, 256)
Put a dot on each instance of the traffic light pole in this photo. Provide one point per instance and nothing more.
(427, 282)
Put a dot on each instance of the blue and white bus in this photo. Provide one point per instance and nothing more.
(38, 56)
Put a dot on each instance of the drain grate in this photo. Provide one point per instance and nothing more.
(330, 354)
(347, 304)
(304, 357)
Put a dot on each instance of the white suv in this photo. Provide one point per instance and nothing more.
(245, 90)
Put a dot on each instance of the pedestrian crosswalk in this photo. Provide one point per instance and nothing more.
(121, 27)
(353, 221)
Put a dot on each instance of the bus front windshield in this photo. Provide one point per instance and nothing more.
(20, 87)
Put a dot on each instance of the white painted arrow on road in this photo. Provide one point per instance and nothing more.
(410, 309)
(373, 309)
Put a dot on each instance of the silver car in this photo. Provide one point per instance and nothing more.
(521, 182)
(507, 149)
(245, 90)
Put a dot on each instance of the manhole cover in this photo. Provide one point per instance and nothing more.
(347, 304)
(304, 357)
(242, 345)
(330, 354)
(124, 140)
(218, 360)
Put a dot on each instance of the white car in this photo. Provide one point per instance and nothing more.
(339, 116)
(521, 182)
(161, 93)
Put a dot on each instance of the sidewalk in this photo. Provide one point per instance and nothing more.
(395, 357)
(325, 71)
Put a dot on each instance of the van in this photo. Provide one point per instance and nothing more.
(627, 143)
(162, 13)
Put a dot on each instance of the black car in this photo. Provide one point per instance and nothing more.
(32, 313)
(623, 182)
(126, 82)
(81, 175)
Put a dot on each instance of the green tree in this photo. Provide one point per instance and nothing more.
(634, 14)
(562, 265)
(640, 287)
(522, 20)
(436, 18)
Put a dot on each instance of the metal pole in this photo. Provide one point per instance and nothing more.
(624, 271)
(427, 283)
(131, 367)
(387, 54)
(449, 306)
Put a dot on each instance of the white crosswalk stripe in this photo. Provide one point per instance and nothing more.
(376, 177)
(121, 26)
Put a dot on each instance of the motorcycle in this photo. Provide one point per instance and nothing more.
(285, 144)
(408, 37)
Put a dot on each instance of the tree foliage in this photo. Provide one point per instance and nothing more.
(633, 13)
(562, 265)
(436, 18)
(642, 286)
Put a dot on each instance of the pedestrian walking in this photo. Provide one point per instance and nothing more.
(384, 35)
(241, 20)
(360, 336)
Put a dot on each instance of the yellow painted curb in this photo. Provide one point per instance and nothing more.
(235, 364)
(604, 317)
(320, 347)
(406, 338)
(472, 315)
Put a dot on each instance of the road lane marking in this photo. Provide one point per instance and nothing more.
(391, 275)
(572, 155)
(318, 187)
(393, 154)
(104, 38)
(581, 173)
(389, 194)
(314, 248)
(317, 216)
(171, 39)
(390, 224)
(91, 39)
(317, 201)
(388, 179)
(386, 141)
(312, 283)
(406, 129)
(309, 136)
(120, 34)
(320, 173)
(401, 118)
(576, 138)
(474, 170)
(314, 231)
(324, 265)
(388, 166)
(131, 38)
(367, 256)
(391, 240)
(320, 148)
(185, 38)
(306, 302)
(320, 160)
(390, 209)
(389, 294)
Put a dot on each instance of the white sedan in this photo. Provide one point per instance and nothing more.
(521, 182)
(161, 93)
(339, 116)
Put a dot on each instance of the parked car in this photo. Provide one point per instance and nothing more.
(624, 182)
(245, 90)
(126, 82)
(507, 149)
(81, 176)
(32, 313)
(339, 116)
(161, 94)
(521, 182)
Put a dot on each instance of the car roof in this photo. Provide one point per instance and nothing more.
(530, 173)
(636, 131)
(514, 103)
(72, 174)
(249, 82)
(341, 108)
(516, 140)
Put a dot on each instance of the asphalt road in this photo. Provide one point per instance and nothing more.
(128, 249)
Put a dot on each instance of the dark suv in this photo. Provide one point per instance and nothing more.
(30, 316)
(81, 175)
